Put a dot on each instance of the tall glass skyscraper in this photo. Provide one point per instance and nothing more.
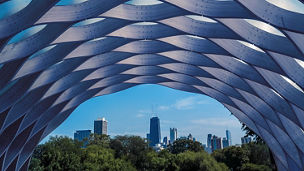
(225, 142)
(228, 136)
(173, 135)
(155, 136)
(209, 140)
(101, 126)
(216, 143)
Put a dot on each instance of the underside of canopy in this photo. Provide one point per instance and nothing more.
(246, 54)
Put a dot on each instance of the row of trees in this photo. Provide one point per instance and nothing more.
(132, 153)
(252, 156)
(120, 153)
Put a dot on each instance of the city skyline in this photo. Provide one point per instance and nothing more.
(154, 136)
(189, 113)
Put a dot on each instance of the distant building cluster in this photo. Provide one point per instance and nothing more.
(214, 142)
(100, 128)
(154, 136)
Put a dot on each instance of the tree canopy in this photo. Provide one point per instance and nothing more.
(124, 153)
(182, 145)
(130, 153)
(249, 157)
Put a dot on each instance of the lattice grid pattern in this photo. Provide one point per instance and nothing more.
(247, 54)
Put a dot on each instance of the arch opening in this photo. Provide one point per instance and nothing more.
(129, 111)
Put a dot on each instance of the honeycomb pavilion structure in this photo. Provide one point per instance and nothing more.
(246, 54)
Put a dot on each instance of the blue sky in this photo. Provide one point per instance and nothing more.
(129, 112)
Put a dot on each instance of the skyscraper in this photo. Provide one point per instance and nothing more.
(173, 135)
(101, 126)
(225, 142)
(213, 143)
(228, 137)
(209, 140)
(80, 135)
(155, 137)
(216, 143)
(165, 142)
(208, 148)
(219, 143)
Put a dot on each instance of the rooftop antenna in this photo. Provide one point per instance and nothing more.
(156, 113)
(152, 110)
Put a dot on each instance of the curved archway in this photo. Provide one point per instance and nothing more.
(248, 55)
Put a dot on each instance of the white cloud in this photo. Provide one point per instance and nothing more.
(185, 103)
(189, 102)
(163, 107)
(166, 122)
(140, 115)
(203, 102)
(217, 122)
(144, 111)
